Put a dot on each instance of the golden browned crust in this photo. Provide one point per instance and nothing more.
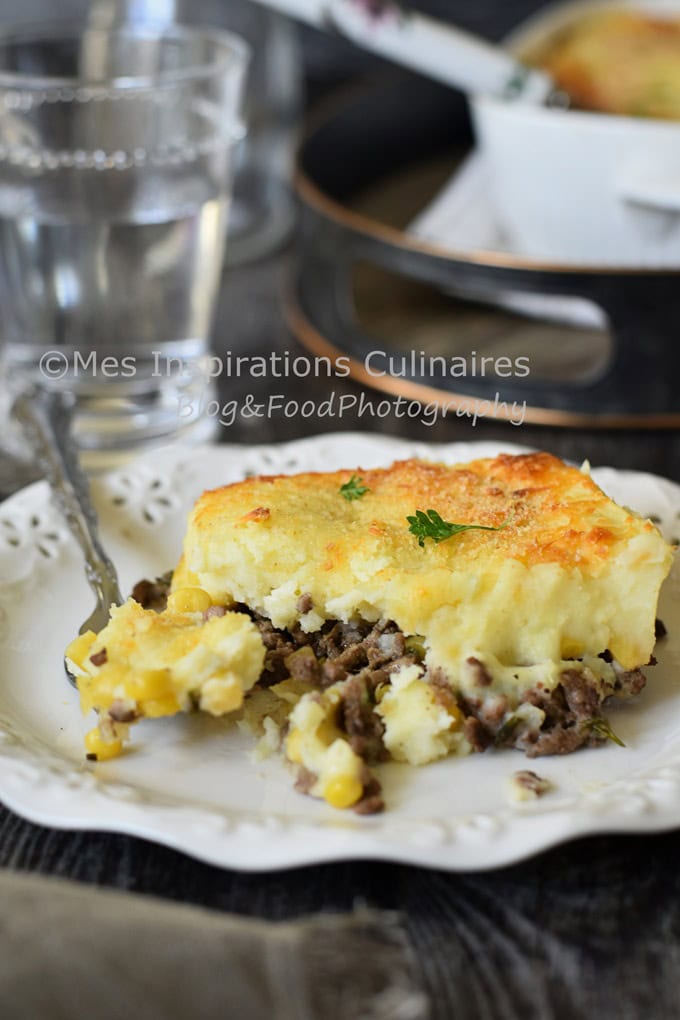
(618, 61)
(552, 583)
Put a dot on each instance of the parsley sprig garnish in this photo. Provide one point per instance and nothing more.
(353, 489)
(430, 525)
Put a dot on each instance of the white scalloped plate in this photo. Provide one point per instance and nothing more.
(191, 783)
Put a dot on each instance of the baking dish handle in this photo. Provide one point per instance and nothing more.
(645, 190)
(642, 309)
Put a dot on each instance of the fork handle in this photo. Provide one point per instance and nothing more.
(46, 416)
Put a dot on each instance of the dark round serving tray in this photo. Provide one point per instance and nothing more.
(372, 159)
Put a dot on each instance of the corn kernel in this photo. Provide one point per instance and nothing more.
(156, 707)
(80, 647)
(189, 600)
(151, 684)
(294, 747)
(102, 749)
(456, 717)
(380, 692)
(343, 791)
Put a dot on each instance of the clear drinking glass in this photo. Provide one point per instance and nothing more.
(115, 152)
(262, 212)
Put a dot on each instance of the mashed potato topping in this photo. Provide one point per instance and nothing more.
(419, 727)
(570, 572)
(147, 664)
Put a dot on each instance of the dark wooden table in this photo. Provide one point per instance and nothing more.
(590, 929)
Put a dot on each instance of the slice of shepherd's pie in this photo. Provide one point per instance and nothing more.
(408, 613)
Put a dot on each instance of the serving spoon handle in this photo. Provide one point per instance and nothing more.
(434, 48)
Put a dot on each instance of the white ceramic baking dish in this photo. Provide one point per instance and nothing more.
(567, 186)
(576, 186)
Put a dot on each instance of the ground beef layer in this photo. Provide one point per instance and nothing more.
(361, 656)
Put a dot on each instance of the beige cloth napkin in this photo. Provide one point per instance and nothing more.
(69, 951)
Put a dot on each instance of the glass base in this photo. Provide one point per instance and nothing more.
(114, 421)
(95, 460)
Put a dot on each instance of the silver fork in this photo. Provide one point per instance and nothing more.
(46, 419)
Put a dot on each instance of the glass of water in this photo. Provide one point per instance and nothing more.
(115, 152)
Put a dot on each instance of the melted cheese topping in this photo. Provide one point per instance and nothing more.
(570, 572)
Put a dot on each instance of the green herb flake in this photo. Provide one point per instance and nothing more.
(430, 525)
(415, 645)
(601, 728)
(353, 489)
(507, 730)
